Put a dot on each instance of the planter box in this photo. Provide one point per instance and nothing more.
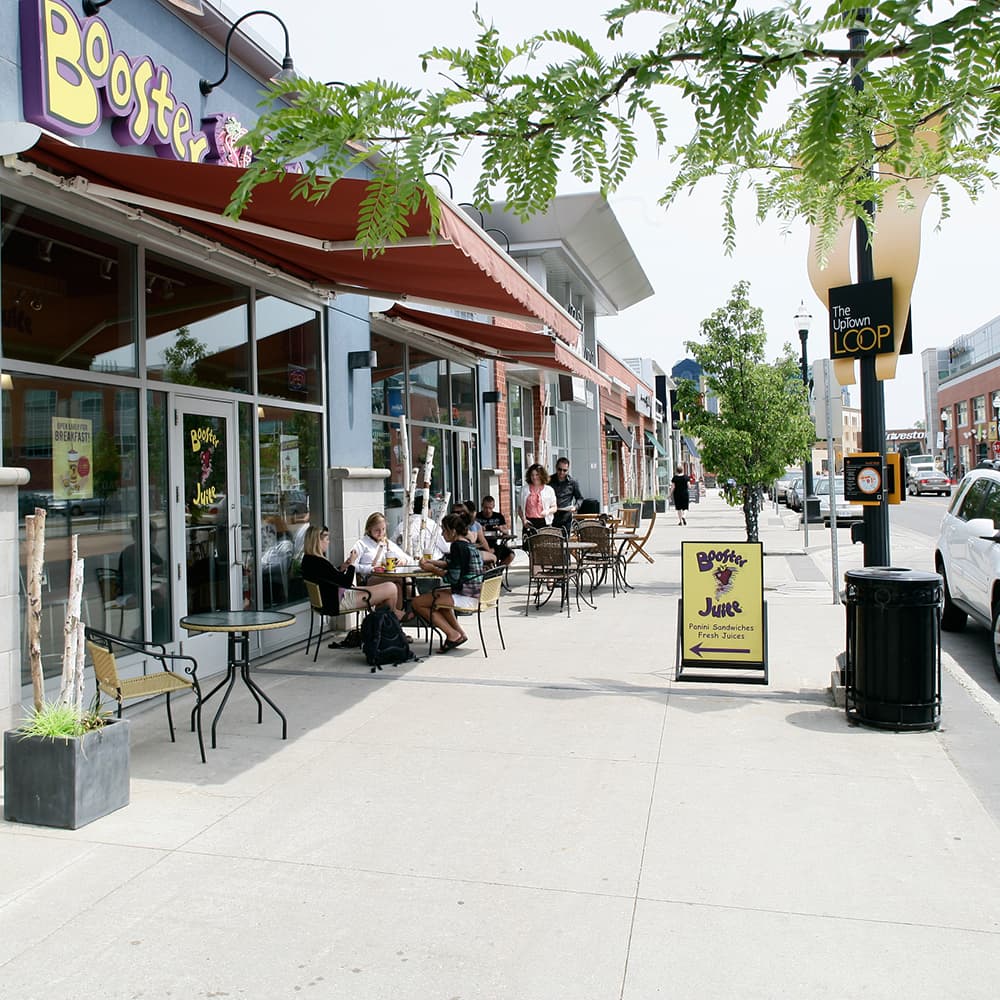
(647, 509)
(661, 506)
(627, 505)
(66, 783)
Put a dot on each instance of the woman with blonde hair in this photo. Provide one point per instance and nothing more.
(371, 550)
(337, 584)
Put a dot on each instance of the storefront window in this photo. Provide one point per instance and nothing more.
(388, 379)
(68, 294)
(83, 473)
(288, 350)
(463, 395)
(291, 494)
(428, 387)
(514, 410)
(197, 329)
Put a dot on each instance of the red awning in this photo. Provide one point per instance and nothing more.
(316, 241)
(521, 346)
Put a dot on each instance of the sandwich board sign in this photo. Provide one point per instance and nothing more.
(722, 614)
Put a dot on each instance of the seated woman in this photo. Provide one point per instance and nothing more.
(463, 571)
(492, 520)
(332, 582)
(370, 552)
(372, 549)
(476, 537)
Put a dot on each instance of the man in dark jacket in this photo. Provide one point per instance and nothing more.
(568, 495)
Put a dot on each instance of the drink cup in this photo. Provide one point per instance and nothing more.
(390, 564)
(428, 556)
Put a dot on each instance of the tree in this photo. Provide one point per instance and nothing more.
(771, 91)
(763, 424)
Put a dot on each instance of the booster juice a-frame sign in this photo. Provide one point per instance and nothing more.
(722, 615)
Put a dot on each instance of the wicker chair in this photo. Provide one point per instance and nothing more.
(317, 609)
(489, 600)
(550, 566)
(101, 646)
(603, 557)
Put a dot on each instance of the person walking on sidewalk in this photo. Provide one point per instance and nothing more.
(680, 495)
(568, 495)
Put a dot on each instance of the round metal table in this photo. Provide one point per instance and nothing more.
(238, 625)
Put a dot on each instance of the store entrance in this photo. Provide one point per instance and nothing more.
(208, 572)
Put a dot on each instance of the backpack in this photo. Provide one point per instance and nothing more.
(382, 639)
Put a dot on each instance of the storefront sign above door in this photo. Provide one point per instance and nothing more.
(73, 78)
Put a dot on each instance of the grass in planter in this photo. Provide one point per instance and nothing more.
(57, 720)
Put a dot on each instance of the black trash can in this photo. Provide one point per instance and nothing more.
(893, 648)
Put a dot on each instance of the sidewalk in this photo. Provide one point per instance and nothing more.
(560, 821)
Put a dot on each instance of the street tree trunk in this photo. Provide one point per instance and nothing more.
(751, 509)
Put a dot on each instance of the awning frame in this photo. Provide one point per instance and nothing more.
(497, 275)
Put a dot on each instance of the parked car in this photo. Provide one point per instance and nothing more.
(793, 494)
(77, 506)
(846, 512)
(924, 479)
(968, 557)
(779, 490)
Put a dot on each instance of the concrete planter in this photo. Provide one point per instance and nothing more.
(66, 783)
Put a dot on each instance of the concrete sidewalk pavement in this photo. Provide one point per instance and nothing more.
(560, 820)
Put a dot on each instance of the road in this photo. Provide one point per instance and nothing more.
(969, 649)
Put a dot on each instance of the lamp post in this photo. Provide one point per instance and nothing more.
(945, 414)
(810, 503)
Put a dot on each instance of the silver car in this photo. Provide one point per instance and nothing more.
(793, 494)
(846, 512)
(923, 480)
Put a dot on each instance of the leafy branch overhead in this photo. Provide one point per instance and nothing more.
(759, 97)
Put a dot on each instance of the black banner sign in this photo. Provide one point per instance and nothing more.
(861, 319)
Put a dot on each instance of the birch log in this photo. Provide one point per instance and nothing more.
(444, 508)
(67, 687)
(425, 509)
(404, 443)
(34, 530)
(81, 647)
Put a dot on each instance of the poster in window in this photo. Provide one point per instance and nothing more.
(72, 458)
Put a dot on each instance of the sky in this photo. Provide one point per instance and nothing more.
(680, 249)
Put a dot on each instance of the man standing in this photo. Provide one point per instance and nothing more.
(568, 495)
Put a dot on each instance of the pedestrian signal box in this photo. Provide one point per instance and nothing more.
(894, 477)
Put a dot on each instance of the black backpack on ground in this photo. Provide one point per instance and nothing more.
(382, 639)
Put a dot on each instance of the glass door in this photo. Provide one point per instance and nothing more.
(466, 466)
(208, 570)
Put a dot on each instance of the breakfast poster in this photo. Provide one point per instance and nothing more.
(72, 458)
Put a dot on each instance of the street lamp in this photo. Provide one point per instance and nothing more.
(810, 503)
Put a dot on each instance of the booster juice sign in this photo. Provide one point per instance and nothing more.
(73, 78)
(722, 588)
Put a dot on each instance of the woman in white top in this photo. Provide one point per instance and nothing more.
(372, 549)
(538, 501)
